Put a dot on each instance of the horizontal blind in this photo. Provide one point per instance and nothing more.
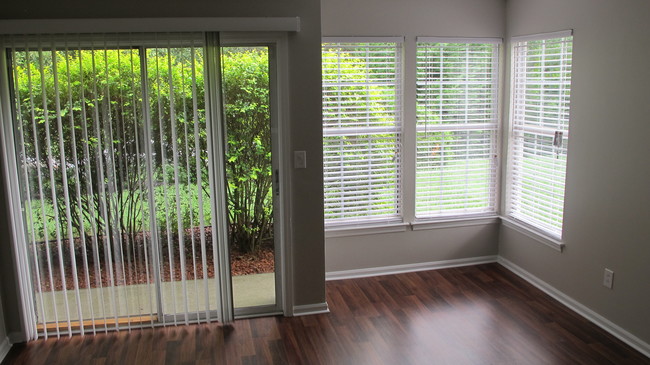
(457, 125)
(361, 131)
(111, 144)
(540, 131)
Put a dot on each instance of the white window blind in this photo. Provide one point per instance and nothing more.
(540, 130)
(362, 131)
(457, 126)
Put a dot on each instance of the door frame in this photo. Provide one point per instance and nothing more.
(279, 97)
(277, 44)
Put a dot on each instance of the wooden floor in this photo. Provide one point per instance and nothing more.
(472, 315)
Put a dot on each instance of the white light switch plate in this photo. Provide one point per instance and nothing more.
(300, 159)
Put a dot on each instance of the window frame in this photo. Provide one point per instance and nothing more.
(277, 41)
(392, 222)
(494, 125)
(408, 150)
(528, 226)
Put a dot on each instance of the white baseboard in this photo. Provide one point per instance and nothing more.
(399, 269)
(303, 310)
(579, 308)
(5, 346)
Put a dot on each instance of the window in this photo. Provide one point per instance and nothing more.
(457, 125)
(540, 130)
(362, 130)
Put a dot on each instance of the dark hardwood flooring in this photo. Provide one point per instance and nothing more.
(470, 315)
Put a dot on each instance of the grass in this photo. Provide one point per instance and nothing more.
(457, 186)
(453, 187)
(165, 203)
(463, 186)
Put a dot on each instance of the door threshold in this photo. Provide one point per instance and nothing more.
(108, 322)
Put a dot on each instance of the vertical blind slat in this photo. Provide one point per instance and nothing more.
(181, 236)
(73, 149)
(27, 189)
(66, 193)
(199, 192)
(50, 161)
(149, 181)
(163, 153)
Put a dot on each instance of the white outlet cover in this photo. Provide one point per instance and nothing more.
(608, 278)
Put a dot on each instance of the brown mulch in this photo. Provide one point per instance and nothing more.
(136, 271)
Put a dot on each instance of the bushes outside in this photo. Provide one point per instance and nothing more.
(100, 127)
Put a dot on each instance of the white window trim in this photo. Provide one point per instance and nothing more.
(497, 127)
(416, 225)
(541, 36)
(455, 221)
(410, 222)
(532, 232)
(348, 231)
(352, 227)
(542, 236)
(492, 40)
(354, 39)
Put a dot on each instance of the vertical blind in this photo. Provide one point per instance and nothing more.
(112, 144)
(361, 130)
(457, 126)
(540, 130)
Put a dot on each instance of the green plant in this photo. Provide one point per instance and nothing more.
(83, 133)
(248, 155)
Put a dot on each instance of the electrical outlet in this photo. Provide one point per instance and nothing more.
(608, 278)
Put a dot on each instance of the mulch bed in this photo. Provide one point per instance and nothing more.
(134, 271)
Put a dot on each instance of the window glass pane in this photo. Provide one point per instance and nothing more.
(457, 128)
(540, 122)
(362, 131)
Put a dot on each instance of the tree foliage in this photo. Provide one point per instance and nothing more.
(82, 122)
(248, 163)
(362, 133)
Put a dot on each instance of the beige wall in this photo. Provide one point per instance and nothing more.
(607, 204)
(306, 208)
(410, 247)
(411, 18)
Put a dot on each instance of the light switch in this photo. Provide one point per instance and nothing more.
(300, 159)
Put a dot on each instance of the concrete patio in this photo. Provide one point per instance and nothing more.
(140, 300)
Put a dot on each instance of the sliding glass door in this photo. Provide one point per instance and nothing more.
(252, 172)
(121, 179)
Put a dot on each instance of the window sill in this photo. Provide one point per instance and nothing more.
(531, 232)
(362, 230)
(418, 225)
(422, 224)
